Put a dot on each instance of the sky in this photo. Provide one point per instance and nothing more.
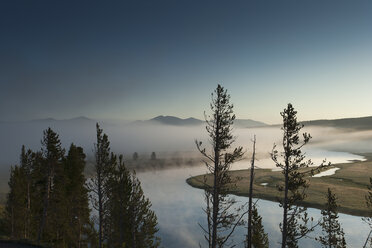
(139, 59)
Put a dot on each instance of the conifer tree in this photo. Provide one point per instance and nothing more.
(295, 219)
(52, 155)
(153, 156)
(221, 219)
(26, 165)
(132, 222)
(16, 207)
(333, 235)
(259, 237)
(118, 204)
(98, 184)
(250, 201)
(18, 201)
(142, 220)
(77, 224)
(135, 156)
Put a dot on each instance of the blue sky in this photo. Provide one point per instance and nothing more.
(139, 59)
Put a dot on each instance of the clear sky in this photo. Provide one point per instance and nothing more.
(139, 59)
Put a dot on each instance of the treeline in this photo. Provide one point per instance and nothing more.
(50, 197)
(223, 216)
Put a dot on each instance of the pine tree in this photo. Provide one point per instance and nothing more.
(132, 222)
(18, 201)
(98, 184)
(53, 155)
(118, 204)
(221, 219)
(153, 156)
(250, 201)
(333, 235)
(16, 205)
(77, 224)
(259, 237)
(135, 156)
(38, 181)
(26, 165)
(295, 218)
(142, 220)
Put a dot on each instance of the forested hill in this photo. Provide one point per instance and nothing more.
(360, 123)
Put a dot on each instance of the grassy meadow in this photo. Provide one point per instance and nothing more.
(349, 183)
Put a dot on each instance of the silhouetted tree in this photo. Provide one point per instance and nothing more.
(295, 218)
(153, 156)
(259, 237)
(250, 201)
(142, 220)
(131, 221)
(26, 165)
(221, 220)
(16, 205)
(135, 156)
(98, 184)
(77, 223)
(52, 159)
(333, 235)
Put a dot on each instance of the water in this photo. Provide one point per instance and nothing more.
(178, 207)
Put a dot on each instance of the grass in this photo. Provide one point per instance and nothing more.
(349, 183)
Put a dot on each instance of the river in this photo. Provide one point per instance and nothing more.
(178, 206)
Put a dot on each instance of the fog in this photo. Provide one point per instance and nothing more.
(165, 140)
(169, 141)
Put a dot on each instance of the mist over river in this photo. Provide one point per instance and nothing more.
(178, 206)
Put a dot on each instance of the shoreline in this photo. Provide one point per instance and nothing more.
(349, 183)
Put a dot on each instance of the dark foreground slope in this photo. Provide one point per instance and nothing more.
(17, 244)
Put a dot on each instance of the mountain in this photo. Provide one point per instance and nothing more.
(248, 123)
(175, 121)
(359, 123)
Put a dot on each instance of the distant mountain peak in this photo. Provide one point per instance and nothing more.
(175, 121)
(81, 118)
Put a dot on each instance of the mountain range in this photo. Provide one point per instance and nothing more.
(359, 123)
(175, 121)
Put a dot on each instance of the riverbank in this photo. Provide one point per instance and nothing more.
(349, 183)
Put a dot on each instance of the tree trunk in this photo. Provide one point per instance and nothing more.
(285, 210)
(249, 238)
(216, 185)
(45, 208)
(100, 211)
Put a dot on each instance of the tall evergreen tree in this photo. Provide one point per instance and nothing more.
(142, 220)
(53, 155)
(118, 204)
(26, 165)
(77, 224)
(333, 235)
(153, 156)
(221, 221)
(16, 205)
(295, 220)
(19, 200)
(98, 184)
(250, 201)
(259, 237)
(132, 222)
